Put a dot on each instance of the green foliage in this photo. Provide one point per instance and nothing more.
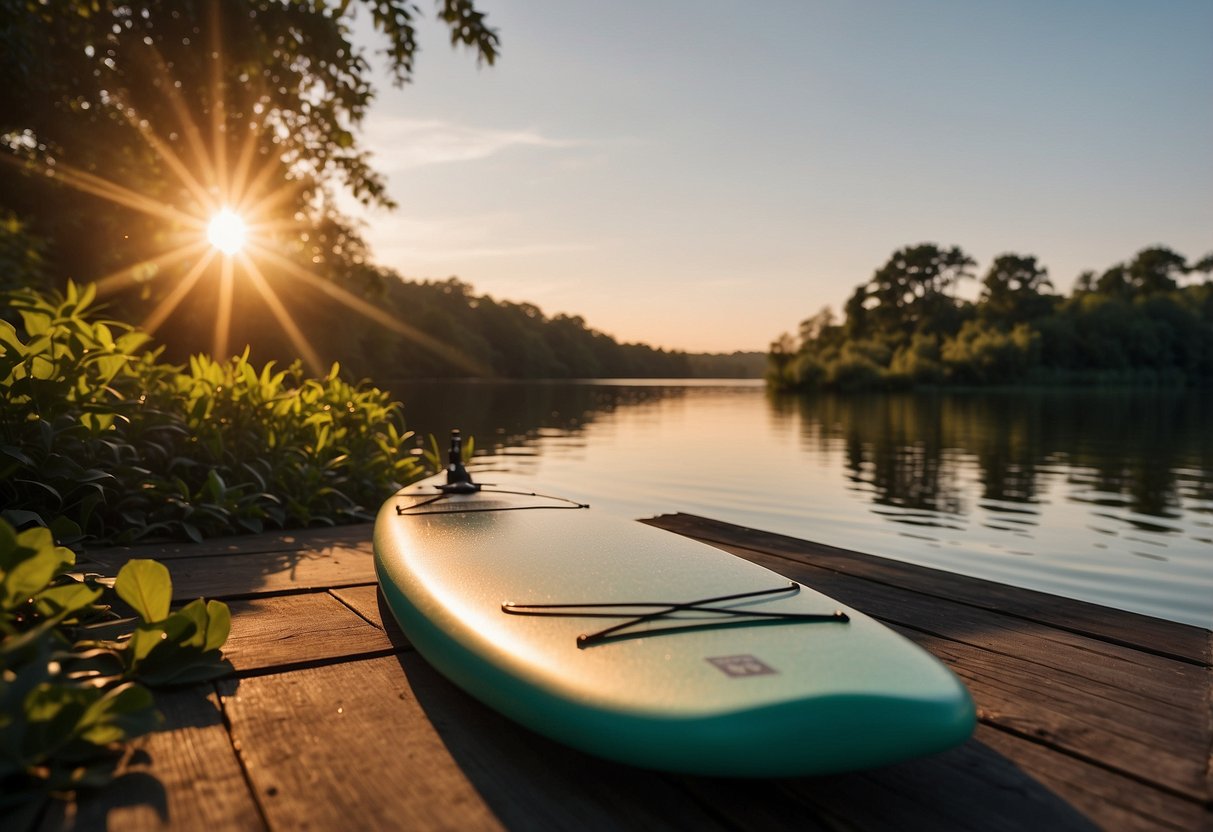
(1133, 324)
(98, 437)
(170, 648)
(980, 354)
(68, 697)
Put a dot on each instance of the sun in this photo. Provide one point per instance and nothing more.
(226, 232)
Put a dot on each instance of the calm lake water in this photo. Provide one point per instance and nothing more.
(1103, 496)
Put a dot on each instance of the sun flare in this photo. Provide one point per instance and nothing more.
(227, 232)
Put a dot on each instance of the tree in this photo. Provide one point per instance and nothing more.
(858, 312)
(811, 329)
(125, 124)
(911, 289)
(1156, 269)
(1204, 265)
(1114, 282)
(1012, 289)
(1151, 271)
(780, 356)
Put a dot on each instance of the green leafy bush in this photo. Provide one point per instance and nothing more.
(72, 677)
(101, 439)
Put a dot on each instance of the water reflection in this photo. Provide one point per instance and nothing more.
(1100, 495)
(513, 416)
(1144, 457)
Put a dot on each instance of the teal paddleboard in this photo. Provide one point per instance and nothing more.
(641, 646)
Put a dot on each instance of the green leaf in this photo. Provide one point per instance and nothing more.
(30, 561)
(195, 611)
(64, 601)
(147, 586)
(145, 639)
(218, 626)
(206, 667)
(66, 529)
(125, 712)
(192, 532)
(97, 422)
(8, 544)
(16, 453)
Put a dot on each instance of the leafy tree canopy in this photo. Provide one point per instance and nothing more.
(1134, 323)
(911, 290)
(1012, 288)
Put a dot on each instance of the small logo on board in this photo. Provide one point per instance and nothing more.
(738, 666)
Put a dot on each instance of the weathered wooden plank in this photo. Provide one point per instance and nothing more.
(1070, 713)
(993, 782)
(967, 788)
(369, 603)
(355, 536)
(1146, 633)
(1111, 800)
(263, 573)
(294, 630)
(1133, 712)
(387, 743)
(183, 777)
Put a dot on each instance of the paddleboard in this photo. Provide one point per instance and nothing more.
(641, 646)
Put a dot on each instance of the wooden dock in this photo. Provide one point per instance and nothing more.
(1089, 718)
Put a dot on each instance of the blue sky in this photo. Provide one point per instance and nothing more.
(705, 175)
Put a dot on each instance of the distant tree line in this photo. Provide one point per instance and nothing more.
(471, 335)
(1149, 320)
(446, 329)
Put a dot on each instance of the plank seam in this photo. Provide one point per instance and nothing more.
(308, 664)
(707, 808)
(354, 609)
(1091, 761)
(240, 761)
(279, 593)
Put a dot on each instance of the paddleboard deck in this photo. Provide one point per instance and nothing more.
(641, 646)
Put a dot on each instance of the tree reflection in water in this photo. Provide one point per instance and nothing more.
(1136, 450)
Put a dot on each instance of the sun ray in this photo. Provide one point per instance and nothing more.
(298, 341)
(223, 316)
(165, 308)
(241, 191)
(253, 204)
(104, 188)
(374, 313)
(121, 279)
(193, 136)
(218, 104)
(170, 157)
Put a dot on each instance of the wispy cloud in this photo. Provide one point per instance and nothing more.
(404, 143)
(406, 241)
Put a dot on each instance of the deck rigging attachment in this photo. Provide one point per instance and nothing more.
(458, 480)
